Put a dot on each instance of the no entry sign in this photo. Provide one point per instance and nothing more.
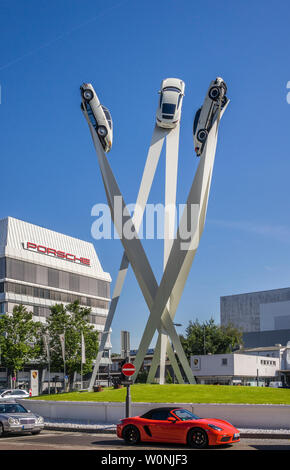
(128, 369)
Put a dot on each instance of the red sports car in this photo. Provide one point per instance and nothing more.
(177, 425)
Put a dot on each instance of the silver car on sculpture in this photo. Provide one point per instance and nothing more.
(203, 121)
(14, 418)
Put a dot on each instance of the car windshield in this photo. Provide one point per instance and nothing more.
(172, 88)
(108, 116)
(168, 108)
(185, 415)
(12, 408)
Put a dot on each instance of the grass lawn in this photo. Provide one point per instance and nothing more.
(181, 394)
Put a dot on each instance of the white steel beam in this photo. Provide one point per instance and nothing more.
(181, 257)
(133, 247)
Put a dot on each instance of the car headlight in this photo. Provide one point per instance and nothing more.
(216, 428)
(13, 421)
(40, 420)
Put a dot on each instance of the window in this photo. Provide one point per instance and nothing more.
(172, 88)
(12, 408)
(168, 108)
(2, 268)
(160, 415)
(45, 276)
(41, 293)
(224, 362)
(185, 415)
(108, 116)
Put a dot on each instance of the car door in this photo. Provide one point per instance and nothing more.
(161, 429)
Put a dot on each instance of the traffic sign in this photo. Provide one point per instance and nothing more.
(128, 369)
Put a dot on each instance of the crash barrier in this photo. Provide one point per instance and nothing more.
(243, 416)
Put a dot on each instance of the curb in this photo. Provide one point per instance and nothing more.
(92, 430)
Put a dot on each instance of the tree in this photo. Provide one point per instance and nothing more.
(169, 378)
(71, 320)
(20, 339)
(208, 338)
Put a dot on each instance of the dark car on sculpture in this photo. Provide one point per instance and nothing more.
(178, 426)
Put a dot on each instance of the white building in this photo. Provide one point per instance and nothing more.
(40, 267)
(231, 369)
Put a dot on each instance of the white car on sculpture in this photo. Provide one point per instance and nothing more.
(169, 108)
(99, 116)
(214, 99)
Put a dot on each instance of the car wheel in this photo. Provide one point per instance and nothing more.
(88, 94)
(102, 131)
(35, 432)
(202, 135)
(1, 430)
(131, 434)
(197, 438)
(214, 93)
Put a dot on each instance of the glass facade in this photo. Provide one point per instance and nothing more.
(48, 294)
(46, 276)
(44, 312)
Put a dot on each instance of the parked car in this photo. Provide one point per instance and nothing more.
(98, 114)
(169, 108)
(177, 425)
(203, 120)
(15, 418)
(13, 393)
(276, 384)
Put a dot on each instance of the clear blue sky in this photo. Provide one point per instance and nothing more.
(49, 171)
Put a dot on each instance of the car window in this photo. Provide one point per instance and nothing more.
(5, 394)
(160, 415)
(108, 116)
(18, 392)
(185, 415)
(12, 408)
(168, 108)
(196, 120)
(172, 88)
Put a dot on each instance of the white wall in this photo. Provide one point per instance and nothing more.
(237, 365)
(241, 416)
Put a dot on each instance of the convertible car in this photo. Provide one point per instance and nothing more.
(177, 425)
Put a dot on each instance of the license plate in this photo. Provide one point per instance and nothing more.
(236, 435)
(27, 426)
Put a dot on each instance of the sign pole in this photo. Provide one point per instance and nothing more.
(128, 402)
(128, 369)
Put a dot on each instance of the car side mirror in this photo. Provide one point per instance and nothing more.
(171, 419)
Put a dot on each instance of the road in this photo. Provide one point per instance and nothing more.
(59, 440)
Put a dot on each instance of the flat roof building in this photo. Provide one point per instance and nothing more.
(264, 316)
(41, 267)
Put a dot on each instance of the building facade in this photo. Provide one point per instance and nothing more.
(40, 267)
(264, 317)
(234, 369)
